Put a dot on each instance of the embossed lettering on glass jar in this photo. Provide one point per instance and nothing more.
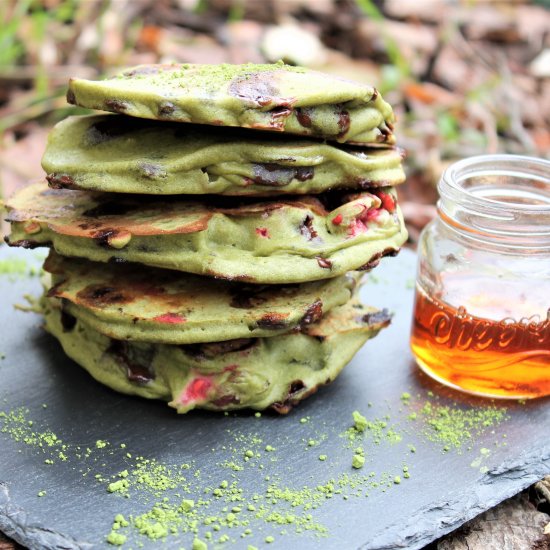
(482, 306)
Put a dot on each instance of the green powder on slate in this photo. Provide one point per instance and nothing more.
(453, 426)
(484, 454)
(199, 545)
(16, 425)
(376, 430)
(406, 397)
(359, 421)
(116, 539)
(180, 500)
(147, 479)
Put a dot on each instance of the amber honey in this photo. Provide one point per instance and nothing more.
(504, 353)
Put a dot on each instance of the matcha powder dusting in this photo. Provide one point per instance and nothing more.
(453, 426)
(215, 506)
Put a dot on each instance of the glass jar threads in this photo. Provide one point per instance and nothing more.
(482, 306)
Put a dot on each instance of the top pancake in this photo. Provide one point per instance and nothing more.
(274, 97)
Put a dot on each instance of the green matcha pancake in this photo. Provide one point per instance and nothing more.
(276, 97)
(130, 155)
(131, 302)
(287, 240)
(256, 373)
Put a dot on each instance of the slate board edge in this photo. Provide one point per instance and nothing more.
(421, 529)
(13, 523)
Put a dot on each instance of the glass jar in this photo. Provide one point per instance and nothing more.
(482, 305)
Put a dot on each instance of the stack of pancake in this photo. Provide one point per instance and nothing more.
(207, 238)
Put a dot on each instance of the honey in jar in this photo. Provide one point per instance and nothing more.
(482, 305)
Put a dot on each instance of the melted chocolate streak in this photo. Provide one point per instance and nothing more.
(248, 297)
(109, 208)
(255, 88)
(343, 123)
(98, 295)
(116, 105)
(59, 181)
(324, 262)
(375, 260)
(135, 372)
(313, 313)
(275, 175)
(307, 229)
(68, 322)
(226, 400)
(272, 321)
(292, 399)
(108, 129)
(103, 237)
(303, 117)
(213, 349)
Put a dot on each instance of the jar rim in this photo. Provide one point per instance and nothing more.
(498, 199)
(518, 166)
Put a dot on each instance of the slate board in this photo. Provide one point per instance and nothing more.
(443, 492)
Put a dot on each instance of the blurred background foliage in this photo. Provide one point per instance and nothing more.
(464, 77)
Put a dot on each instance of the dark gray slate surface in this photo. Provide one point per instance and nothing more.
(444, 490)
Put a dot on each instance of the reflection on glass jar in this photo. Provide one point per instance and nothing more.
(482, 307)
